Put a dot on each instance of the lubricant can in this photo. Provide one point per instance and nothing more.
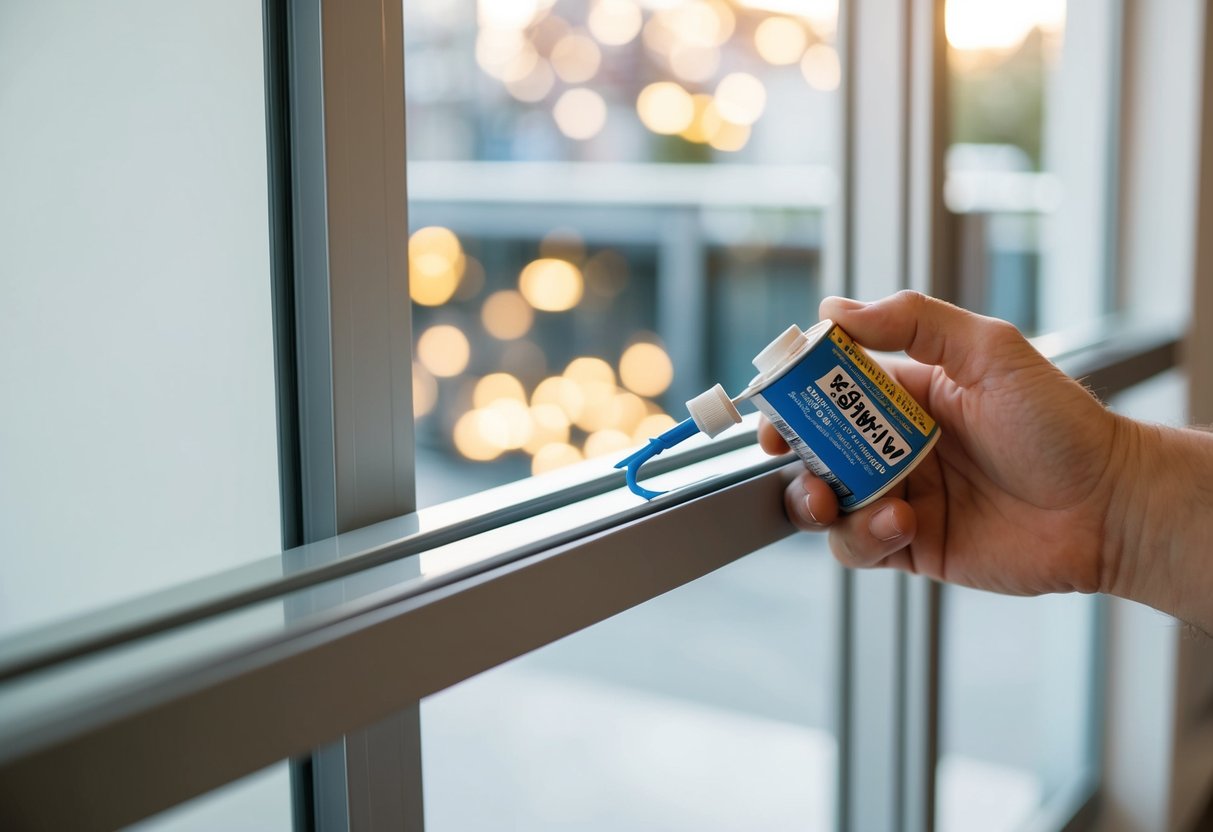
(851, 423)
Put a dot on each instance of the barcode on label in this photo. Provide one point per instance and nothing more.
(810, 459)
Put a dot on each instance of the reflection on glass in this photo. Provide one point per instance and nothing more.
(709, 708)
(1005, 169)
(1016, 705)
(573, 235)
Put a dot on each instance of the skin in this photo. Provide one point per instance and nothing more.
(1033, 487)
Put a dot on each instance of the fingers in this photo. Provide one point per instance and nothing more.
(770, 440)
(861, 539)
(965, 344)
(810, 503)
(867, 537)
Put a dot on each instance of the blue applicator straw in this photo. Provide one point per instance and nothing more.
(712, 412)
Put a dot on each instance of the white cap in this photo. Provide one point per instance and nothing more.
(775, 352)
(713, 411)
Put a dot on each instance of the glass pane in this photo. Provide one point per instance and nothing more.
(613, 205)
(1016, 705)
(708, 708)
(138, 434)
(1031, 92)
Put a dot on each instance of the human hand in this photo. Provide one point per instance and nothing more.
(1018, 493)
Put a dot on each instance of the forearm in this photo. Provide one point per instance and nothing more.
(1159, 541)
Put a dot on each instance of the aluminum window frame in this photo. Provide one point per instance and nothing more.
(124, 754)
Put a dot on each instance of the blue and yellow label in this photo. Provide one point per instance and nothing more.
(851, 423)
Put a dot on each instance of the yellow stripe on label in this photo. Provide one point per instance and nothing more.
(897, 394)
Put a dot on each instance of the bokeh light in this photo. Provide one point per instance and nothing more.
(614, 22)
(652, 425)
(506, 424)
(740, 98)
(443, 350)
(627, 410)
(470, 439)
(589, 369)
(436, 264)
(576, 58)
(562, 392)
(506, 315)
(821, 68)
(506, 14)
(665, 108)
(606, 441)
(646, 369)
(553, 456)
(425, 391)
(580, 113)
(497, 386)
(694, 63)
(551, 285)
(550, 424)
(780, 40)
(534, 85)
(564, 244)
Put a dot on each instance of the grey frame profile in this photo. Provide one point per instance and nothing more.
(347, 673)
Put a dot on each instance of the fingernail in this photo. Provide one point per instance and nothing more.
(883, 525)
(808, 507)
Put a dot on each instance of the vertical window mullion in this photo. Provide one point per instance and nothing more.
(353, 344)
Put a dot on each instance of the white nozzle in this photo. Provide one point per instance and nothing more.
(775, 352)
(713, 411)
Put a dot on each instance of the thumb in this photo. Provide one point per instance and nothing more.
(966, 345)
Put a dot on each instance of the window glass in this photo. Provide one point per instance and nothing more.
(708, 708)
(138, 433)
(138, 429)
(1031, 101)
(612, 205)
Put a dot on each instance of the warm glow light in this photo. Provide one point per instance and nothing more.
(470, 440)
(665, 108)
(588, 369)
(554, 455)
(506, 14)
(443, 350)
(563, 393)
(504, 53)
(607, 441)
(821, 15)
(650, 426)
(979, 25)
(497, 386)
(551, 285)
(506, 315)
(425, 391)
(580, 113)
(698, 131)
(699, 22)
(535, 85)
(821, 68)
(694, 63)
(728, 136)
(550, 424)
(740, 98)
(614, 22)
(780, 40)
(506, 424)
(436, 264)
(576, 58)
(627, 411)
(646, 369)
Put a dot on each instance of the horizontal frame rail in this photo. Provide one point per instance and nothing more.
(164, 740)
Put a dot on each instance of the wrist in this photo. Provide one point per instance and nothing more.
(1159, 521)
